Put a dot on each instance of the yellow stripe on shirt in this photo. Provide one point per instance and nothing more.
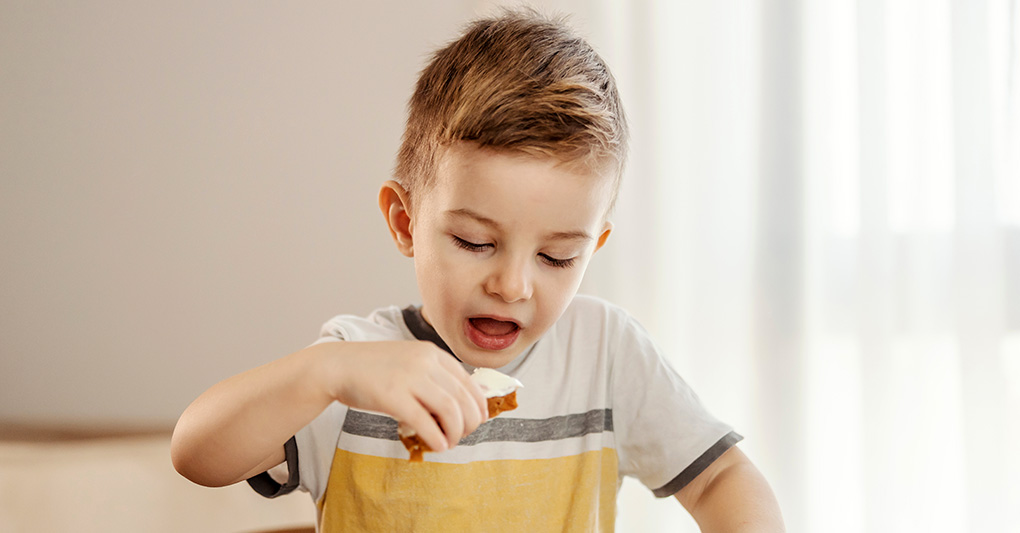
(572, 493)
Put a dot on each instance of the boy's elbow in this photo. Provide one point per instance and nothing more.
(183, 460)
(188, 462)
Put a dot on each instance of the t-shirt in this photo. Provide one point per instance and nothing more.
(599, 403)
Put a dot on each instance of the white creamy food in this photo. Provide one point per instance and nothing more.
(495, 383)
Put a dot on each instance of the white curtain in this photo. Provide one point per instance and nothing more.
(821, 224)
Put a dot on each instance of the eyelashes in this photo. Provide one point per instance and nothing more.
(475, 247)
(558, 263)
(469, 246)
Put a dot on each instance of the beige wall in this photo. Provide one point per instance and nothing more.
(187, 190)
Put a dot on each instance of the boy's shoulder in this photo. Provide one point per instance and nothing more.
(592, 311)
(586, 303)
(595, 317)
(385, 323)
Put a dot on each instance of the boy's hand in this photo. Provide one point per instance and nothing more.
(415, 382)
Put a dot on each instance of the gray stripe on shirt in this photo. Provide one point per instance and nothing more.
(502, 429)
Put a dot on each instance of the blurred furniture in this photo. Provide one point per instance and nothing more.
(58, 479)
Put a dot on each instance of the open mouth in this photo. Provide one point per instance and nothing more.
(490, 333)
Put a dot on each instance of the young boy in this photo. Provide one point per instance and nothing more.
(509, 168)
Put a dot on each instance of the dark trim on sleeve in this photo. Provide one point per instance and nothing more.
(266, 486)
(698, 466)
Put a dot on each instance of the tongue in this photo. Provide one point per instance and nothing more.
(493, 327)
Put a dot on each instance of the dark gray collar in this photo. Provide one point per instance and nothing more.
(422, 330)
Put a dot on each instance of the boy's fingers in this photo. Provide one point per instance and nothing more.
(463, 393)
(445, 408)
(478, 398)
(455, 402)
(474, 405)
(465, 386)
(452, 366)
(419, 419)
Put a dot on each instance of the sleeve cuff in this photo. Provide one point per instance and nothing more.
(266, 486)
(698, 466)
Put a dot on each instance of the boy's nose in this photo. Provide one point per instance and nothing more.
(512, 282)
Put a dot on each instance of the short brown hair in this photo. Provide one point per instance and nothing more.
(520, 82)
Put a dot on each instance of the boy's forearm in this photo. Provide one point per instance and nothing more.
(238, 426)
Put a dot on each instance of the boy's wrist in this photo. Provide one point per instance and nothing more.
(325, 369)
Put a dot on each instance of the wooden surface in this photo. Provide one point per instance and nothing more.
(120, 479)
(17, 431)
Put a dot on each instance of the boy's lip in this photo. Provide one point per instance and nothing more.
(491, 342)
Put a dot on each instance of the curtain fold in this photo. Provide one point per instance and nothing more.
(821, 224)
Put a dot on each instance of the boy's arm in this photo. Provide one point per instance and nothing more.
(731, 495)
(238, 427)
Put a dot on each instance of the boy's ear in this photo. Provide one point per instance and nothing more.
(606, 230)
(393, 202)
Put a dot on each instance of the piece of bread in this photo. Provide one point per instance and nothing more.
(500, 394)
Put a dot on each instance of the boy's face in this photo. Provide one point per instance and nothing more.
(500, 243)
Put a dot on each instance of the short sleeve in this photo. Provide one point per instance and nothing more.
(310, 451)
(316, 442)
(665, 436)
(269, 485)
(316, 446)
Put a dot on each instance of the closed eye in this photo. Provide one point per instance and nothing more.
(468, 245)
(479, 247)
(558, 263)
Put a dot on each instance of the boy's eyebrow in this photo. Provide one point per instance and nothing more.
(576, 235)
(464, 212)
